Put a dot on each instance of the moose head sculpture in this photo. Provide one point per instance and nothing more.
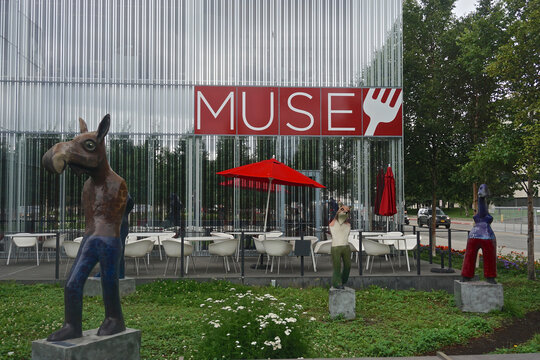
(104, 198)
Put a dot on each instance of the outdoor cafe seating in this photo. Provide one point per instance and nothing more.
(374, 248)
(173, 249)
(276, 248)
(224, 249)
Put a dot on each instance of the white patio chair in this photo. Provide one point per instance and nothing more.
(130, 239)
(323, 247)
(139, 249)
(23, 242)
(374, 248)
(277, 248)
(50, 244)
(71, 248)
(407, 245)
(173, 249)
(354, 244)
(225, 249)
(259, 246)
(218, 235)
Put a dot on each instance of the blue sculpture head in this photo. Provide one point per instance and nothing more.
(483, 191)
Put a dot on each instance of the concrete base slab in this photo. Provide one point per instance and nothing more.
(478, 296)
(342, 302)
(124, 345)
(92, 287)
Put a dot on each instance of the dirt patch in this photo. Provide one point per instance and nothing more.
(517, 332)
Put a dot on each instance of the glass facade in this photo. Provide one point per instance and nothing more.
(139, 60)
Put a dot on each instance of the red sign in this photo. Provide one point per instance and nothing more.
(342, 109)
(257, 111)
(298, 111)
(382, 112)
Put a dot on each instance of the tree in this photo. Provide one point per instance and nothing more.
(480, 35)
(429, 55)
(517, 69)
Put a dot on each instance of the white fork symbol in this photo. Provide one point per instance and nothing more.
(379, 111)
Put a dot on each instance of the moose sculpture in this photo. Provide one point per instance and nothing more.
(104, 198)
(481, 236)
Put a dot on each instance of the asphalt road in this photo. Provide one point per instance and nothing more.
(506, 241)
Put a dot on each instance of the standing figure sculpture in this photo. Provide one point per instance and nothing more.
(340, 228)
(481, 236)
(104, 198)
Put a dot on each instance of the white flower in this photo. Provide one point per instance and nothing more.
(288, 332)
(240, 308)
(292, 320)
(209, 299)
(312, 319)
(215, 323)
(11, 353)
(253, 343)
(202, 305)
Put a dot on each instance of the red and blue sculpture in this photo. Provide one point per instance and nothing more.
(104, 199)
(481, 237)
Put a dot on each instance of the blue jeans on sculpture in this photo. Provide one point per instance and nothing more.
(106, 250)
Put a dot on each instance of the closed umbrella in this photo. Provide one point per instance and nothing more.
(271, 172)
(388, 200)
(379, 190)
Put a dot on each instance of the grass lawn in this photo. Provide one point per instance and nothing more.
(178, 319)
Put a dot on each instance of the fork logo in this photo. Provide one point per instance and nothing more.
(382, 106)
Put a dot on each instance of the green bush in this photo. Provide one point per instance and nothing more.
(243, 325)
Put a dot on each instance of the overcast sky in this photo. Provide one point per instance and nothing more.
(463, 7)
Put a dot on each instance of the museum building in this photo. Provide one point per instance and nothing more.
(196, 87)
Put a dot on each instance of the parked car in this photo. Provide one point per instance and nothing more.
(424, 218)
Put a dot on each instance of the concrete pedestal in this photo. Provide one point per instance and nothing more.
(478, 296)
(342, 302)
(124, 345)
(92, 287)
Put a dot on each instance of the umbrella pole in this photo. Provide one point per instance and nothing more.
(267, 204)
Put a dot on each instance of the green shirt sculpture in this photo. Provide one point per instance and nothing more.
(340, 228)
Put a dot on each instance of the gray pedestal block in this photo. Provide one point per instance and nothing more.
(125, 345)
(478, 296)
(92, 287)
(342, 302)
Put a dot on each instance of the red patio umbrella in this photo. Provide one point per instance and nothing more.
(270, 172)
(388, 200)
(379, 190)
